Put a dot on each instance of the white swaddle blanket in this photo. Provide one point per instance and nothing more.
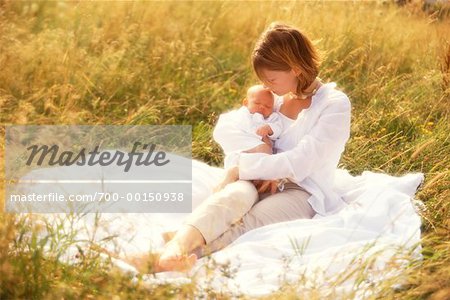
(380, 219)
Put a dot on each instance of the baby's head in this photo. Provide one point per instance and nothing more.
(259, 100)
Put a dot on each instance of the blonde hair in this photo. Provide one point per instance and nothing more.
(283, 48)
(258, 88)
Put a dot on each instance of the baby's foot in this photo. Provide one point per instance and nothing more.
(173, 258)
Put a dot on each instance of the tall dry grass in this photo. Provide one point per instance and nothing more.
(184, 63)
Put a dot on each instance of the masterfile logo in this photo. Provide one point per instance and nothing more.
(98, 168)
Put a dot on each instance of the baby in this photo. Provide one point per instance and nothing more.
(255, 125)
(258, 117)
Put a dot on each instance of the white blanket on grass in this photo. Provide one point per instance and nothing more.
(380, 225)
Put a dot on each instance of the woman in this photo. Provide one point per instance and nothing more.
(316, 119)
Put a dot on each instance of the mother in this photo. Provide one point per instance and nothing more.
(316, 119)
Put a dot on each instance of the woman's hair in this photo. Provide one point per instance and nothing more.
(282, 48)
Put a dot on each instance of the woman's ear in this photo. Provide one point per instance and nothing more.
(296, 71)
(244, 101)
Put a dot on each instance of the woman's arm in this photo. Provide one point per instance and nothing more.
(325, 141)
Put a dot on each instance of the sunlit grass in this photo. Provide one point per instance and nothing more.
(184, 63)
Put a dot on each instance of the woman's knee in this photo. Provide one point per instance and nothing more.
(239, 196)
(241, 193)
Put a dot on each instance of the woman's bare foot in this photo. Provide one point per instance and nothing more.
(174, 258)
(144, 263)
(177, 253)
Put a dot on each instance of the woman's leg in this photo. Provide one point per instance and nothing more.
(288, 205)
(212, 218)
(222, 209)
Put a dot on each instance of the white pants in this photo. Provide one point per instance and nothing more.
(238, 208)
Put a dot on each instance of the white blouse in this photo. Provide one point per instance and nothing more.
(308, 149)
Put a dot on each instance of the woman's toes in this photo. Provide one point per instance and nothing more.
(144, 263)
(178, 263)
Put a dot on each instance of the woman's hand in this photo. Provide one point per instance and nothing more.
(265, 186)
(231, 176)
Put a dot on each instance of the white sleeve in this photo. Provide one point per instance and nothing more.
(274, 121)
(231, 160)
(326, 140)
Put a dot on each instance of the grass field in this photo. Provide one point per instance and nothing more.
(184, 63)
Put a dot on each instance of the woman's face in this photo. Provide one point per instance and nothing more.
(280, 82)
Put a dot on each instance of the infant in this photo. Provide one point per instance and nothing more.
(258, 117)
(253, 128)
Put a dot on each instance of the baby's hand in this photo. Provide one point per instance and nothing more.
(264, 130)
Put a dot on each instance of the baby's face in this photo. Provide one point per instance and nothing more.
(260, 102)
